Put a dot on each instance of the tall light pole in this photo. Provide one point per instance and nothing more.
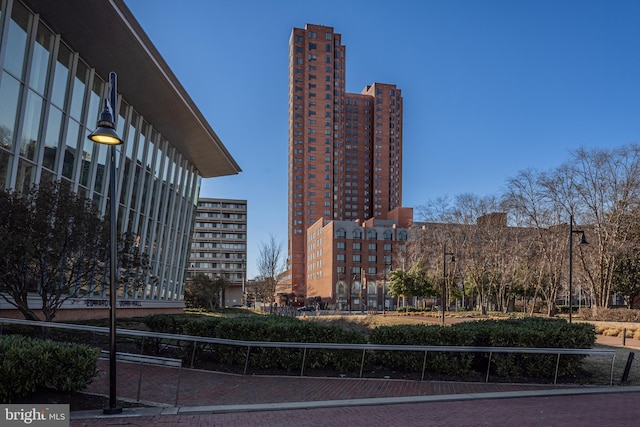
(387, 267)
(583, 241)
(444, 274)
(106, 134)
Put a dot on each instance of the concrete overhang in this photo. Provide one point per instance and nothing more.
(109, 38)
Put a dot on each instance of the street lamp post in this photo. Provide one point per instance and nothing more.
(583, 241)
(384, 289)
(444, 275)
(363, 291)
(106, 134)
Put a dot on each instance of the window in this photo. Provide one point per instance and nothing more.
(340, 257)
(373, 247)
(356, 258)
(341, 245)
(342, 234)
(372, 258)
(357, 246)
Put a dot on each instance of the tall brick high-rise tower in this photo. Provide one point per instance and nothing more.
(345, 149)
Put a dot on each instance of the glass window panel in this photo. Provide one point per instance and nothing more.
(79, 89)
(10, 96)
(26, 176)
(95, 105)
(120, 122)
(125, 180)
(31, 126)
(71, 148)
(88, 148)
(14, 60)
(142, 141)
(102, 167)
(5, 168)
(134, 190)
(46, 176)
(150, 153)
(52, 138)
(131, 135)
(61, 77)
(40, 62)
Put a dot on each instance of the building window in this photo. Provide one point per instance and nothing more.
(356, 246)
(341, 245)
(372, 258)
(356, 258)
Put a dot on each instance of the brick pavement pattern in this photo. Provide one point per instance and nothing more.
(480, 404)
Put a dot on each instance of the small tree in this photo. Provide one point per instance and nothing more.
(204, 292)
(270, 265)
(413, 283)
(626, 278)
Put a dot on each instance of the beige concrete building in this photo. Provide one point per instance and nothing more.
(219, 245)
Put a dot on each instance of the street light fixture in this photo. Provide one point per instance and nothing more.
(444, 274)
(106, 134)
(583, 241)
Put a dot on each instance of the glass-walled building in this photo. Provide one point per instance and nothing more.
(55, 58)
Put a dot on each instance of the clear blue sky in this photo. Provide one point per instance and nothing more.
(490, 87)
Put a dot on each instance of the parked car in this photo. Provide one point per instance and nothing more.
(307, 308)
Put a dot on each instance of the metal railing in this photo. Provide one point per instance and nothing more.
(329, 346)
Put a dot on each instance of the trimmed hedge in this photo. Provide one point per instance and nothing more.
(264, 328)
(525, 332)
(522, 332)
(28, 364)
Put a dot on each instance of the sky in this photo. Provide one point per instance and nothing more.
(491, 87)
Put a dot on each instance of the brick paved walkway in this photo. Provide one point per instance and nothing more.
(201, 388)
(215, 399)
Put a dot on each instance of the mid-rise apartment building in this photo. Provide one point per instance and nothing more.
(348, 262)
(219, 245)
(345, 149)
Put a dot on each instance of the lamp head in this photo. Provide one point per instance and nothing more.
(106, 132)
(583, 239)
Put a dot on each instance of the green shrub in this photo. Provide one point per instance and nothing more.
(27, 364)
(442, 363)
(524, 332)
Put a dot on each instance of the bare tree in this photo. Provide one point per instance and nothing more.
(270, 265)
(53, 245)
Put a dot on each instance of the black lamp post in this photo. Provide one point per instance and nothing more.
(106, 134)
(444, 274)
(583, 241)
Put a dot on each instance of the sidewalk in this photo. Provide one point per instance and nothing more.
(210, 398)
